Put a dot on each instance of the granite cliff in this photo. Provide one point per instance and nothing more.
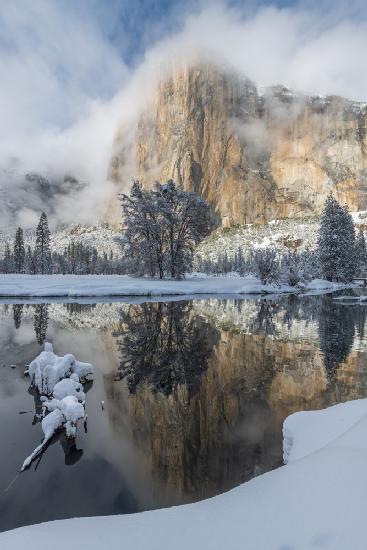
(255, 154)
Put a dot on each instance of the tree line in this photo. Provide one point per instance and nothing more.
(76, 258)
(340, 255)
(161, 229)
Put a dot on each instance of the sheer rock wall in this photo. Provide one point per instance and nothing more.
(254, 155)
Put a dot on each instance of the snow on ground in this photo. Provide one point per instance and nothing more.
(57, 380)
(316, 501)
(283, 234)
(286, 234)
(14, 285)
(120, 285)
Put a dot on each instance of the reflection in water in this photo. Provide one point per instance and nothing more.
(17, 314)
(40, 322)
(197, 407)
(76, 309)
(337, 329)
(262, 363)
(264, 320)
(164, 345)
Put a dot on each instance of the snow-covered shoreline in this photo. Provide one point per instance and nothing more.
(73, 286)
(120, 285)
(316, 500)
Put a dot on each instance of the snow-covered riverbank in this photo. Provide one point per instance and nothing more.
(27, 286)
(316, 500)
(119, 285)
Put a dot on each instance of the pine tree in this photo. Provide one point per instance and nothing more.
(8, 263)
(30, 263)
(19, 251)
(361, 253)
(336, 242)
(42, 250)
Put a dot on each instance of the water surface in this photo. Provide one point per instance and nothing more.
(195, 395)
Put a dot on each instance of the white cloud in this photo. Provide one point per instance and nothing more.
(65, 88)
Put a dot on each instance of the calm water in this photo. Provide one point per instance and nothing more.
(195, 395)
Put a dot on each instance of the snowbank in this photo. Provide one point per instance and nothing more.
(59, 377)
(316, 501)
(323, 285)
(14, 285)
(308, 431)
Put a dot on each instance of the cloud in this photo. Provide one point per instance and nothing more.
(71, 76)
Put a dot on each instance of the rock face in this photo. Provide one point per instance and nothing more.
(254, 155)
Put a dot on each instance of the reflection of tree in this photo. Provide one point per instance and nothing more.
(264, 321)
(337, 328)
(17, 314)
(165, 345)
(41, 322)
(73, 308)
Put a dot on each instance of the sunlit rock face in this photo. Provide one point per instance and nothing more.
(255, 155)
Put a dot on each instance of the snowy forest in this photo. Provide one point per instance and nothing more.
(161, 229)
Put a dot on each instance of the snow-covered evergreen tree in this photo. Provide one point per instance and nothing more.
(361, 254)
(336, 242)
(30, 263)
(8, 261)
(19, 251)
(42, 249)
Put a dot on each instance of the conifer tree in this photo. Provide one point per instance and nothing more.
(336, 242)
(19, 251)
(42, 250)
(8, 260)
(361, 253)
(30, 261)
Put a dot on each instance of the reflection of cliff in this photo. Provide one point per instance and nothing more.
(202, 443)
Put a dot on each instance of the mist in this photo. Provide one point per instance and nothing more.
(68, 88)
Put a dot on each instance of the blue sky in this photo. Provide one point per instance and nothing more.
(75, 71)
(132, 26)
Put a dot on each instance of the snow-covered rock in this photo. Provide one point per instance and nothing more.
(69, 386)
(59, 376)
(47, 369)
